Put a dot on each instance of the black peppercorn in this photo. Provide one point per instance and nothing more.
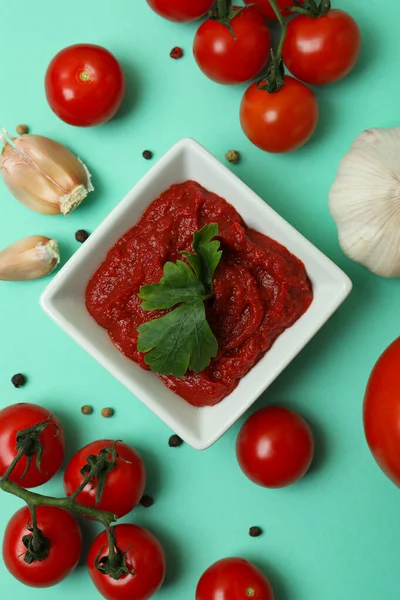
(146, 501)
(18, 380)
(255, 531)
(175, 441)
(81, 236)
(147, 154)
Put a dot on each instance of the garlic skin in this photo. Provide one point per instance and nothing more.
(30, 258)
(365, 201)
(43, 174)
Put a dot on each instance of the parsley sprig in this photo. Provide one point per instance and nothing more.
(182, 339)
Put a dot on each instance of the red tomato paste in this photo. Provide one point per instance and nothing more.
(260, 288)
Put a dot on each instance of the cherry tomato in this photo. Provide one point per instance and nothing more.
(144, 556)
(23, 416)
(268, 12)
(233, 579)
(181, 10)
(275, 447)
(323, 49)
(227, 60)
(279, 122)
(85, 85)
(382, 412)
(65, 538)
(124, 485)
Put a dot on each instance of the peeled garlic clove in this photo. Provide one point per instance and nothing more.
(365, 201)
(43, 174)
(30, 258)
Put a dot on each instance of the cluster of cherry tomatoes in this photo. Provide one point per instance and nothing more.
(321, 45)
(123, 489)
(290, 446)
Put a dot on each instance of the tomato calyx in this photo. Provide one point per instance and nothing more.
(311, 8)
(98, 466)
(28, 444)
(274, 79)
(37, 545)
(224, 13)
(114, 565)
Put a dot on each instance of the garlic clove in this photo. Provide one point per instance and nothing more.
(43, 174)
(30, 258)
(365, 201)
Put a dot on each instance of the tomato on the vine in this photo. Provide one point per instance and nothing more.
(233, 579)
(140, 562)
(45, 457)
(275, 447)
(323, 49)
(181, 10)
(281, 121)
(62, 551)
(231, 58)
(268, 12)
(123, 485)
(382, 412)
(85, 85)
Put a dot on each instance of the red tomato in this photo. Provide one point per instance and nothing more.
(124, 484)
(266, 9)
(227, 60)
(323, 49)
(275, 447)
(181, 10)
(85, 85)
(65, 538)
(23, 416)
(233, 579)
(279, 122)
(144, 556)
(382, 412)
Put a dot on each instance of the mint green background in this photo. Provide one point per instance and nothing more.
(335, 534)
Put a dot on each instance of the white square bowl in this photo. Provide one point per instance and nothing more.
(64, 298)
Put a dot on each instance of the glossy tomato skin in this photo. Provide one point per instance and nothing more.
(233, 579)
(181, 10)
(382, 412)
(145, 556)
(279, 122)
(226, 60)
(22, 416)
(264, 7)
(275, 447)
(85, 85)
(324, 49)
(60, 527)
(124, 485)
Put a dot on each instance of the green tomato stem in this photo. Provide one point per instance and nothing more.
(34, 500)
(36, 542)
(223, 7)
(14, 463)
(282, 23)
(112, 556)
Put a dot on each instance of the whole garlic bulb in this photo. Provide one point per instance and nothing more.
(43, 174)
(30, 258)
(365, 201)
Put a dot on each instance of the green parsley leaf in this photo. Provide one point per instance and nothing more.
(207, 254)
(179, 284)
(182, 339)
